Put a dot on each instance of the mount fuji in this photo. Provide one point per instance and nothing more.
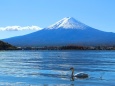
(67, 31)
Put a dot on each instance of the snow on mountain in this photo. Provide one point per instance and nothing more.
(67, 23)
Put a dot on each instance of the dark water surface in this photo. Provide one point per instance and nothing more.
(52, 68)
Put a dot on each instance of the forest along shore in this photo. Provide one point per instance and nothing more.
(68, 48)
(6, 46)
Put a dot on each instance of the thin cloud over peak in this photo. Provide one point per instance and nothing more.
(18, 28)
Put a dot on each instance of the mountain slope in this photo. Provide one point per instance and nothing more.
(67, 31)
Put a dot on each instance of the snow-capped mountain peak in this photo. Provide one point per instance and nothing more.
(67, 34)
(68, 23)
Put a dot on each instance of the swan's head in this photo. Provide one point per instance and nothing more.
(72, 68)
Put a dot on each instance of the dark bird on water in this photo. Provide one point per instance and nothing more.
(79, 75)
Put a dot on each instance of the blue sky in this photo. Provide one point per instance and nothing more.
(99, 14)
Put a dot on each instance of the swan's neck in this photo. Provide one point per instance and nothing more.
(72, 74)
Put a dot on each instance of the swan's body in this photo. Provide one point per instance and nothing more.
(80, 75)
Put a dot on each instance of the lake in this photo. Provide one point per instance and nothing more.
(52, 68)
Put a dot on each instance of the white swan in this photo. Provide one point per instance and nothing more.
(80, 75)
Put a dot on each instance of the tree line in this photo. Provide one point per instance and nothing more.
(6, 46)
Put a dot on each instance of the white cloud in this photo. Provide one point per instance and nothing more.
(18, 28)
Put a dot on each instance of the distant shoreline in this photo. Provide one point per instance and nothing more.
(68, 48)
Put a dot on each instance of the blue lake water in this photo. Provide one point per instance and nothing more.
(52, 68)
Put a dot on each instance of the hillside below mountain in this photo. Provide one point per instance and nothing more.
(6, 46)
